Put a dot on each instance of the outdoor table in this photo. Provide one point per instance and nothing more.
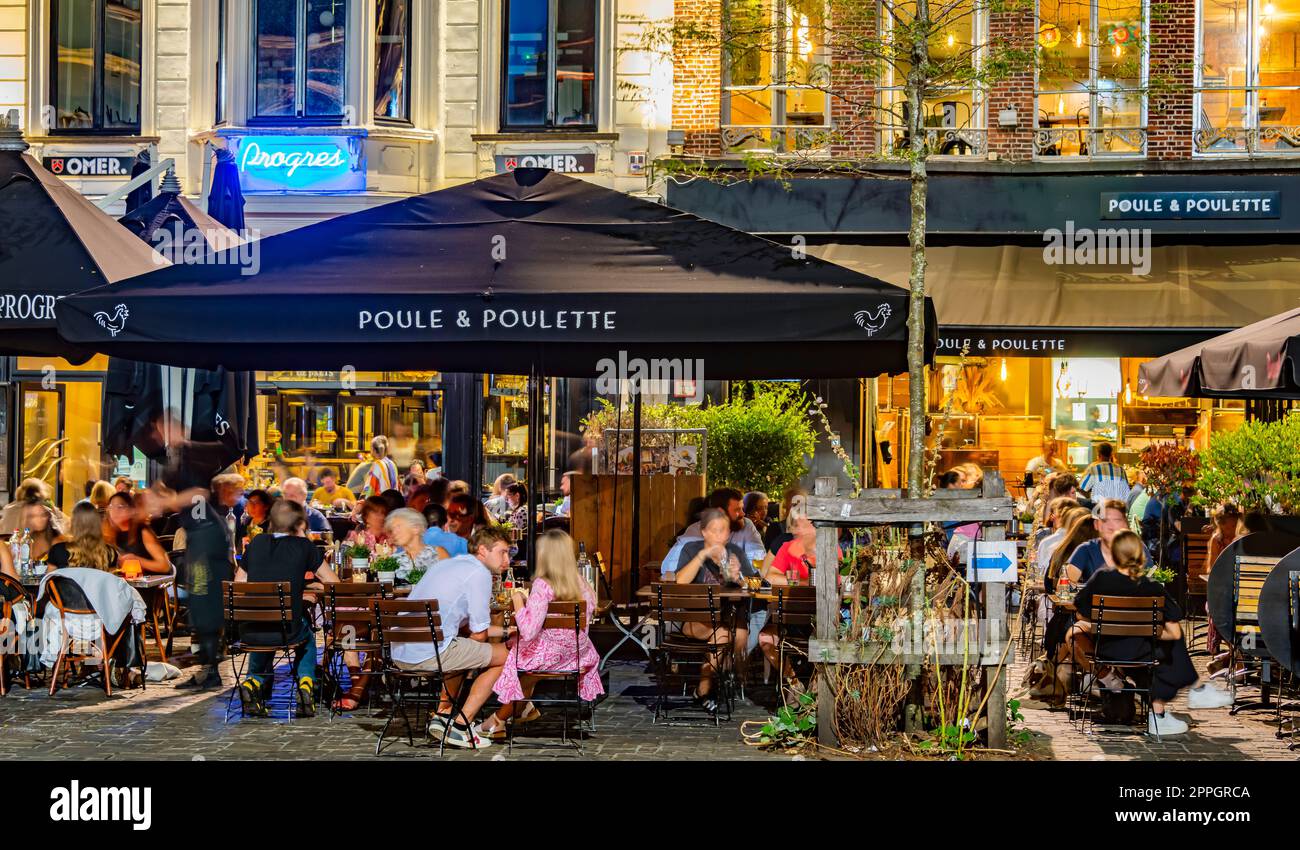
(1061, 603)
(154, 588)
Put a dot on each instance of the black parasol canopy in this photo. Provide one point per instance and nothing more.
(53, 242)
(528, 269)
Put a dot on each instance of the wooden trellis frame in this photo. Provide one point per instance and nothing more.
(830, 512)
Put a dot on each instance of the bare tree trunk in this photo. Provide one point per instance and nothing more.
(916, 277)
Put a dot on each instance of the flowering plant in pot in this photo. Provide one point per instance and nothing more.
(1169, 468)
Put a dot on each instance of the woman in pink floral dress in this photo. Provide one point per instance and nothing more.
(557, 579)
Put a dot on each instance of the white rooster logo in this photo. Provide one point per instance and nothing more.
(872, 320)
(116, 321)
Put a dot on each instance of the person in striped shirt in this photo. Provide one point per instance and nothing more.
(383, 472)
(1105, 479)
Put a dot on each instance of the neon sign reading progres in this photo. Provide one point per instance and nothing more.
(301, 163)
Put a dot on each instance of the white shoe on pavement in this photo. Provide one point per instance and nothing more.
(1206, 695)
(1165, 726)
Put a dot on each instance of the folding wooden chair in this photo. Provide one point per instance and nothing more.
(69, 600)
(676, 605)
(12, 593)
(1121, 617)
(795, 609)
(350, 612)
(256, 613)
(1249, 573)
(403, 621)
(559, 615)
(1196, 549)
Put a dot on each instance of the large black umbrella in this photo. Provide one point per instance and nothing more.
(1258, 361)
(211, 406)
(53, 242)
(528, 269)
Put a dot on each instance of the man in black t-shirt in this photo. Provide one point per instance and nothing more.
(284, 555)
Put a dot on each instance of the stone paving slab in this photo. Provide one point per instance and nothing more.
(165, 723)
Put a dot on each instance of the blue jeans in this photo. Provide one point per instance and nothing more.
(260, 663)
(757, 620)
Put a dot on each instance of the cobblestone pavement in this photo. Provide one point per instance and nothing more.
(165, 723)
(1215, 735)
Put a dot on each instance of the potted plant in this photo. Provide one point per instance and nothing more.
(1256, 467)
(359, 553)
(385, 568)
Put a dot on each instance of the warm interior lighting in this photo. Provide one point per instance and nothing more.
(952, 39)
(1004, 368)
(1119, 51)
(1128, 393)
(1269, 8)
(1078, 34)
(1060, 106)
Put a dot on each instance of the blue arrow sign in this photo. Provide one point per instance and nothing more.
(997, 562)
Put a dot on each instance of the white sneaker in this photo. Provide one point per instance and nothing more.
(1206, 695)
(1090, 685)
(454, 736)
(1165, 726)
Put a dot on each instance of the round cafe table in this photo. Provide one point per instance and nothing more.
(1219, 591)
(1275, 621)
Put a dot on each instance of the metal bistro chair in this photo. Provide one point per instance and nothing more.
(350, 611)
(260, 609)
(1293, 608)
(795, 609)
(675, 605)
(12, 644)
(559, 615)
(414, 621)
(1248, 647)
(1121, 617)
(68, 598)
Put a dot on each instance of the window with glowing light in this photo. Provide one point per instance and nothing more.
(776, 75)
(954, 105)
(1248, 77)
(1092, 68)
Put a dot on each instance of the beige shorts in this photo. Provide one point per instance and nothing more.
(461, 654)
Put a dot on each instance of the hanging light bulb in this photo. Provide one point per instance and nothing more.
(1119, 51)
(1060, 106)
(952, 39)
(1128, 393)
(1268, 8)
(1078, 34)
(1004, 369)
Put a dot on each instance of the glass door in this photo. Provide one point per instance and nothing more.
(42, 442)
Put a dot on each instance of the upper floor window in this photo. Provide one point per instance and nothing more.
(95, 73)
(1248, 77)
(299, 58)
(953, 103)
(550, 65)
(392, 55)
(1091, 98)
(775, 75)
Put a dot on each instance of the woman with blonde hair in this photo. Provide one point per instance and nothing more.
(556, 580)
(100, 493)
(1175, 670)
(85, 545)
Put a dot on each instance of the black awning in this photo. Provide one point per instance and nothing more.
(53, 242)
(1257, 361)
(526, 269)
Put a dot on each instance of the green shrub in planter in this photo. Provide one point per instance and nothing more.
(1256, 466)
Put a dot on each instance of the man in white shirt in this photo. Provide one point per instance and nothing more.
(743, 532)
(463, 588)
